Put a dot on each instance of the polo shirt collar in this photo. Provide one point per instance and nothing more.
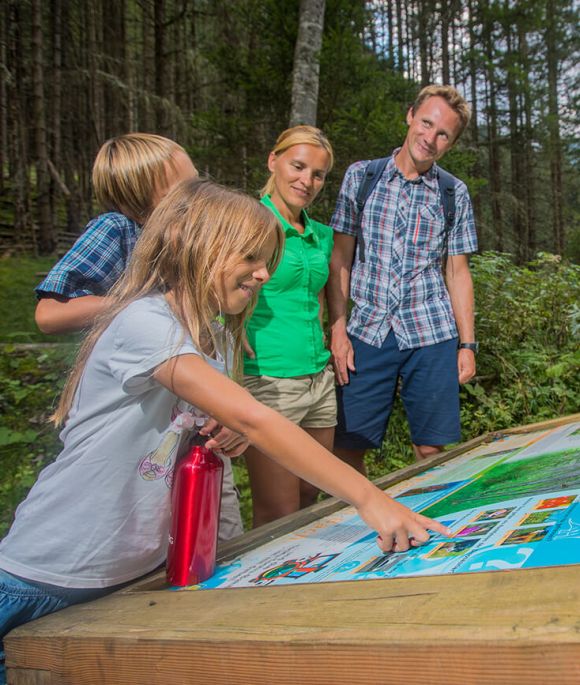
(429, 178)
(308, 234)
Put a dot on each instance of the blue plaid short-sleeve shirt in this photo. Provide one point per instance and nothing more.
(97, 259)
(400, 286)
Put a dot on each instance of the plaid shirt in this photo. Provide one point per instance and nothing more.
(400, 285)
(97, 259)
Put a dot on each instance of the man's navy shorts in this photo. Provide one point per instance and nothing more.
(429, 391)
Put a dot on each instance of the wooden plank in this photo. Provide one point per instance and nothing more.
(254, 664)
(27, 676)
(541, 425)
(501, 628)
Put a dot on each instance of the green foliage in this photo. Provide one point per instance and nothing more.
(29, 385)
(527, 324)
(246, 102)
(362, 101)
(573, 242)
(461, 161)
(242, 481)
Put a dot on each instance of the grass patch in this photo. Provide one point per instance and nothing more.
(18, 278)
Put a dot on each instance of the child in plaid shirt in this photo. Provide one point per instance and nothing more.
(131, 174)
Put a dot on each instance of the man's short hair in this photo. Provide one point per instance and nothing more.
(452, 98)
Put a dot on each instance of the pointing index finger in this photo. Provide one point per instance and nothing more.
(435, 526)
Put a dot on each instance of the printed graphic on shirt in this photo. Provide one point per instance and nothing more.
(160, 462)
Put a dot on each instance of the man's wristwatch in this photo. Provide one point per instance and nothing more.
(474, 346)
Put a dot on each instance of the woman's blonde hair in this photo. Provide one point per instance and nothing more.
(189, 241)
(129, 169)
(298, 135)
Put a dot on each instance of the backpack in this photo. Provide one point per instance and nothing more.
(372, 175)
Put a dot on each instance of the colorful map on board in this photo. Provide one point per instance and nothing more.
(511, 503)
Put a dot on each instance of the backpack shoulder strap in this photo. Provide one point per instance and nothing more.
(373, 173)
(447, 189)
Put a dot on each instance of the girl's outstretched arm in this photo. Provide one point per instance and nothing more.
(195, 381)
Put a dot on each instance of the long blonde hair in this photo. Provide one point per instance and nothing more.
(298, 135)
(188, 242)
(129, 169)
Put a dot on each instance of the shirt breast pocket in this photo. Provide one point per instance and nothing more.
(429, 229)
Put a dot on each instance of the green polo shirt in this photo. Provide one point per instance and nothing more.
(284, 330)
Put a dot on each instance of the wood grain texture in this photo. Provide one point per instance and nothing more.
(503, 627)
(498, 628)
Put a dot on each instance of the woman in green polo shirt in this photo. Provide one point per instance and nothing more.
(286, 363)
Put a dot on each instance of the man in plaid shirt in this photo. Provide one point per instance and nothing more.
(408, 321)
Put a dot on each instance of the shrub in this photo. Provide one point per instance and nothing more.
(527, 325)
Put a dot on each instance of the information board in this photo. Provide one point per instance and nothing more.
(511, 503)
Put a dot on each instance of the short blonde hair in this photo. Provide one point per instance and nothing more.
(452, 97)
(186, 246)
(129, 169)
(298, 135)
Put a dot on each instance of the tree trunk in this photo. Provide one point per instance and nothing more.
(4, 12)
(424, 42)
(55, 128)
(182, 70)
(555, 145)
(46, 237)
(474, 128)
(133, 33)
(161, 70)
(114, 60)
(518, 212)
(94, 13)
(390, 34)
(445, 12)
(528, 166)
(69, 123)
(410, 50)
(457, 32)
(17, 141)
(146, 71)
(492, 130)
(400, 36)
(306, 71)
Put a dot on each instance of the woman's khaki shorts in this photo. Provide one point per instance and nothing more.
(308, 401)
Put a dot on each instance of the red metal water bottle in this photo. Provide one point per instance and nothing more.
(195, 513)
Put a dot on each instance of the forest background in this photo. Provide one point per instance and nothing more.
(223, 78)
